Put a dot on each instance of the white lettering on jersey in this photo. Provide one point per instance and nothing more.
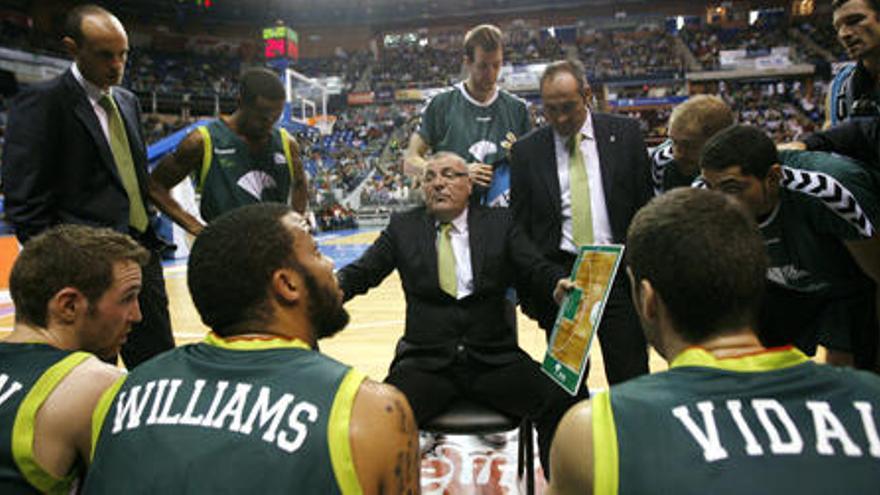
(753, 448)
(828, 428)
(237, 412)
(188, 418)
(763, 408)
(157, 402)
(218, 395)
(165, 418)
(263, 413)
(9, 391)
(234, 408)
(128, 406)
(708, 439)
(866, 412)
(297, 425)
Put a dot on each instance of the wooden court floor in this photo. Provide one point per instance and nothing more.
(377, 321)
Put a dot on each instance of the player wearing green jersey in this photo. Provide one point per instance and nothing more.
(237, 160)
(474, 119)
(730, 416)
(818, 213)
(75, 289)
(254, 408)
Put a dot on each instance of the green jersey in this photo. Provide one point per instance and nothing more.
(825, 200)
(478, 132)
(232, 175)
(228, 416)
(28, 374)
(772, 422)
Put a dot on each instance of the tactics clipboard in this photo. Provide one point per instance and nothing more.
(580, 313)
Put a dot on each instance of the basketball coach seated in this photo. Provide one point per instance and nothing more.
(456, 262)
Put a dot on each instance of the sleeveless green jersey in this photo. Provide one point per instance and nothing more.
(28, 374)
(228, 416)
(232, 175)
(478, 132)
(772, 422)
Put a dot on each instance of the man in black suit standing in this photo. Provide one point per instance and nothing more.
(455, 263)
(74, 153)
(580, 181)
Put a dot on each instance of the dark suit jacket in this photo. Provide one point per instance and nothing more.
(440, 328)
(57, 164)
(534, 183)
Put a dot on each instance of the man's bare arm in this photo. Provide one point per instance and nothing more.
(571, 456)
(299, 184)
(63, 426)
(384, 441)
(175, 167)
(414, 156)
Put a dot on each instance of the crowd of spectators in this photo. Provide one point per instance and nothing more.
(783, 108)
(348, 66)
(531, 46)
(184, 72)
(706, 42)
(417, 66)
(610, 55)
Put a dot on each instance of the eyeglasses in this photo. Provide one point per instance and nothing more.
(447, 174)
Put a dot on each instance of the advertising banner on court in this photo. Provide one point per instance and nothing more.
(579, 315)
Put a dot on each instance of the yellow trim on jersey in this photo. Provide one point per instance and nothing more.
(768, 360)
(288, 156)
(208, 148)
(606, 468)
(101, 410)
(338, 437)
(255, 343)
(23, 427)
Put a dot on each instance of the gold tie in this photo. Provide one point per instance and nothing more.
(579, 186)
(137, 215)
(446, 261)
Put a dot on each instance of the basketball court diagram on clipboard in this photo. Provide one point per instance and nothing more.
(579, 315)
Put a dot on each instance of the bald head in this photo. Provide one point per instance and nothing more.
(692, 123)
(98, 43)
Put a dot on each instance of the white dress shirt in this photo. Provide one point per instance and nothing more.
(461, 248)
(601, 225)
(94, 94)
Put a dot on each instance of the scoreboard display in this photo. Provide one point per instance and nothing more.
(280, 42)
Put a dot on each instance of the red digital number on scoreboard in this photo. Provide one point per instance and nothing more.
(274, 48)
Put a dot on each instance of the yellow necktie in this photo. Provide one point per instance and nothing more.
(137, 215)
(579, 186)
(446, 261)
